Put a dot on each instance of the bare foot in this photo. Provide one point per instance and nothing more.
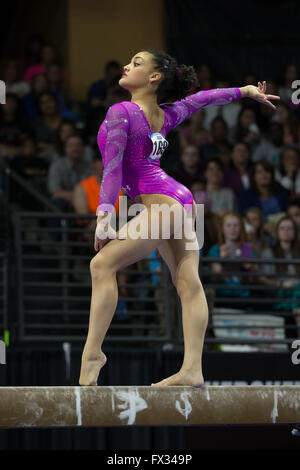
(182, 378)
(90, 368)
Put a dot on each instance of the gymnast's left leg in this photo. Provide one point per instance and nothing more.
(183, 265)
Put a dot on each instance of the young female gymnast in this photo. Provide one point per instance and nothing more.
(132, 140)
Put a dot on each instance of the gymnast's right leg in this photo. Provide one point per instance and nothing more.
(115, 255)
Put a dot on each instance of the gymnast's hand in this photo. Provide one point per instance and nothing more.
(259, 94)
(105, 232)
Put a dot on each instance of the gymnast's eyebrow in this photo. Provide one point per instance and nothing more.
(138, 57)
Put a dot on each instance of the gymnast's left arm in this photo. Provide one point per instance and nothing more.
(182, 110)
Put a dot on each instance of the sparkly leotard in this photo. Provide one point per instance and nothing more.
(131, 151)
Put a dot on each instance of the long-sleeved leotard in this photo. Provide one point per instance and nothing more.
(131, 151)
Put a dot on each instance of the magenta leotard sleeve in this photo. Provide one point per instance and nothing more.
(112, 141)
(181, 110)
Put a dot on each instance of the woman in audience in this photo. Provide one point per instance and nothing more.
(287, 118)
(46, 126)
(232, 245)
(264, 192)
(222, 199)
(247, 129)
(254, 229)
(38, 85)
(287, 281)
(189, 168)
(288, 171)
(237, 171)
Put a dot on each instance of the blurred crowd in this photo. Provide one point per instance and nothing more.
(240, 160)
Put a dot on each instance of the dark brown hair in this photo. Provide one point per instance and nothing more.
(295, 250)
(179, 80)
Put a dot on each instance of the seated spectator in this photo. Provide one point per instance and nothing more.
(63, 175)
(220, 144)
(97, 92)
(194, 133)
(288, 171)
(65, 130)
(45, 127)
(66, 172)
(293, 211)
(47, 57)
(271, 148)
(231, 245)
(264, 192)
(38, 85)
(222, 199)
(11, 78)
(211, 220)
(34, 170)
(32, 51)
(247, 129)
(254, 229)
(205, 76)
(286, 247)
(237, 171)
(68, 108)
(86, 194)
(12, 127)
(287, 118)
(94, 119)
(189, 168)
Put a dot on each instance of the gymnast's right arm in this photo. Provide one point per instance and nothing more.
(112, 141)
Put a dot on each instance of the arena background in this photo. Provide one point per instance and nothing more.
(259, 38)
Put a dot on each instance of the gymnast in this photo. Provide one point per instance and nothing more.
(132, 139)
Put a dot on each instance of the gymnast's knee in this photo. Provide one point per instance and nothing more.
(187, 285)
(100, 266)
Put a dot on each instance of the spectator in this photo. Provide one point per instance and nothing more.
(222, 199)
(237, 171)
(31, 56)
(46, 126)
(220, 144)
(48, 56)
(194, 133)
(68, 108)
(231, 244)
(11, 77)
(247, 129)
(286, 247)
(38, 85)
(264, 192)
(254, 229)
(270, 149)
(189, 168)
(65, 130)
(287, 118)
(97, 92)
(66, 172)
(12, 127)
(288, 171)
(34, 170)
(86, 192)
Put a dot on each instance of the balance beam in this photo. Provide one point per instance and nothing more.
(147, 406)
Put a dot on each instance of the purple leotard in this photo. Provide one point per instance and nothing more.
(131, 151)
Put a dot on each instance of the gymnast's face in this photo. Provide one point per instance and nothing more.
(140, 73)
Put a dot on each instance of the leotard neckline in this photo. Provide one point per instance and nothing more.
(144, 116)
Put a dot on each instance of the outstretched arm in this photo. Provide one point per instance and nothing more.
(182, 110)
